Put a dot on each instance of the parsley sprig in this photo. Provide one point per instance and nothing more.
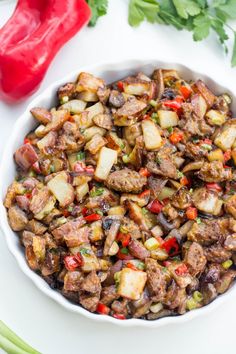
(200, 17)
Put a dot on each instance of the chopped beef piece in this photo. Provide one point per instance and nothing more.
(217, 254)
(26, 156)
(137, 250)
(126, 181)
(17, 218)
(195, 259)
(109, 294)
(156, 281)
(207, 232)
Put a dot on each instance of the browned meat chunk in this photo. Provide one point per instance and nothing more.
(195, 259)
(207, 232)
(90, 292)
(209, 293)
(137, 250)
(103, 94)
(70, 228)
(156, 185)
(23, 202)
(26, 156)
(120, 306)
(214, 172)
(116, 99)
(195, 151)
(66, 90)
(168, 168)
(230, 205)
(126, 181)
(156, 281)
(41, 114)
(72, 281)
(175, 297)
(130, 227)
(217, 254)
(17, 218)
(109, 294)
(76, 238)
(36, 227)
(223, 284)
(116, 267)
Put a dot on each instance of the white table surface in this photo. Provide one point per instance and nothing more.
(39, 320)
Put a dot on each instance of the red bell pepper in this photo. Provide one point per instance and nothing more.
(184, 181)
(171, 246)
(175, 104)
(120, 85)
(185, 91)
(191, 213)
(144, 172)
(119, 316)
(124, 256)
(92, 217)
(182, 270)
(102, 309)
(175, 137)
(145, 194)
(131, 266)
(155, 207)
(214, 186)
(123, 238)
(26, 54)
(73, 262)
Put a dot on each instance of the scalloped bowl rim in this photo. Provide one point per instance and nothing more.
(110, 71)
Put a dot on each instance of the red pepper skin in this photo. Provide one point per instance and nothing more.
(24, 64)
(73, 262)
(92, 217)
(155, 207)
(123, 238)
(102, 309)
(124, 257)
(119, 316)
(214, 186)
(191, 213)
(171, 246)
(182, 270)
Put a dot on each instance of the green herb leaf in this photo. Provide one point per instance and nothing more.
(233, 60)
(202, 25)
(96, 192)
(186, 8)
(99, 8)
(85, 251)
(140, 10)
(124, 250)
(228, 8)
(80, 156)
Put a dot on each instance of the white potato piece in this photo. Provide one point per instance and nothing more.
(136, 88)
(107, 157)
(74, 106)
(226, 138)
(88, 82)
(132, 283)
(81, 191)
(88, 96)
(207, 201)
(151, 135)
(168, 119)
(90, 261)
(216, 117)
(61, 189)
(97, 108)
(90, 132)
(117, 210)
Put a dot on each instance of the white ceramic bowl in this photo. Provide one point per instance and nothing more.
(110, 72)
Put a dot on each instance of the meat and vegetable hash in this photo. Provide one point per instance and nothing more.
(125, 195)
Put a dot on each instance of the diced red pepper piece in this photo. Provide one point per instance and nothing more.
(102, 309)
(66, 213)
(124, 256)
(184, 181)
(155, 207)
(92, 217)
(79, 259)
(72, 262)
(84, 211)
(171, 246)
(120, 85)
(191, 213)
(227, 155)
(182, 270)
(27, 141)
(131, 266)
(226, 166)
(119, 316)
(175, 104)
(214, 187)
(207, 141)
(123, 238)
(145, 193)
(166, 263)
(146, 117)
(185, 91)
(144, 172)
(176, 137)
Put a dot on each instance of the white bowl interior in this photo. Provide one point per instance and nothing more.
(109, 72)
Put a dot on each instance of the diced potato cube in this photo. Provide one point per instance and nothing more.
(216, 155)
(90, 261)
(166, 192)
(151, 244)
(117, 210)
(88, 96)
(216, 117)
(81, 191)
(114, 249)
(74, 106)
(83, 120)
(61, 189)
(137, 88)
(39, 248)
(152, 137)
(107, 157)
(168, 119)
(96, 231)
(114, 142)
(226, 138)
(95, 109)
(47, 209)
(132, 283)
(95, 144)
(157, 231)
(88, 82)
(91, 131)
